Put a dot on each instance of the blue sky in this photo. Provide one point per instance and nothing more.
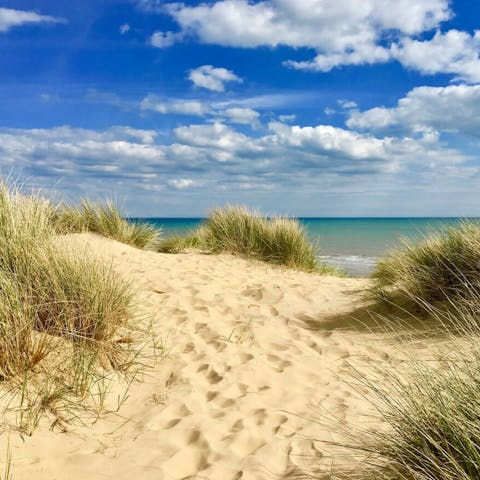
(311, 108)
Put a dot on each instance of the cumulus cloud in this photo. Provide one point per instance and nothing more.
(324, 62)
(323, 24)
(212, 78)
(357, 153)
(242, 116)
(66, 151)
(212, 153)
(453, 52)
(216, 157)
(223, 142)
(341, 31)
(454, 109)
(10, 18)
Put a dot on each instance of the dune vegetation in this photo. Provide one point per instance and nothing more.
(443, 267)
(237, 230)
(63, 314)
(104, 219)
(430, 410)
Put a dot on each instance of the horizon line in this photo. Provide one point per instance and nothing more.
(328, 218)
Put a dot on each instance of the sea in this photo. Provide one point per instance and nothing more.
(352, 244)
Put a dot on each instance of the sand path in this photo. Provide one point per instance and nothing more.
(242, 381)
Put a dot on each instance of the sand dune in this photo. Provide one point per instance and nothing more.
(251, 362)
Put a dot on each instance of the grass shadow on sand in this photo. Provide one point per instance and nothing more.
(406, 321)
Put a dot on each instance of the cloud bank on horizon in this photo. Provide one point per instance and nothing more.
(312, 107)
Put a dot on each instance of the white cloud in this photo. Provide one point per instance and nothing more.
(341, 31)
(355, 152)
(218, 158)
(124, 28)
(225, 111)
(181, 183)
(165, 39)
(212, 78)
(245, 116)
(287, 118)
(66, 151)
(324, 62)
(180, 107)
(218, 137)
(347, 104)
(454, 109)
(453, 52)
(10, 18)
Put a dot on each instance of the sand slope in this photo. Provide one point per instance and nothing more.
(244, 376)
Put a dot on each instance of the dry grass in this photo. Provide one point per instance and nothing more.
(427, 410)
(237, 230)
(105, 219)
(443, 267)
(62, 313)
(430, 410)
(181, 243)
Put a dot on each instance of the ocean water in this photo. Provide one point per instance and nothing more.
(352, 244)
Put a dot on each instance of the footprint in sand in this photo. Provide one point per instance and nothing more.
(260, 293)
(212, 396)
(279, 363)
(245, 357)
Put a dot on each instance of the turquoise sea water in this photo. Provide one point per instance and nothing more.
(353, 244)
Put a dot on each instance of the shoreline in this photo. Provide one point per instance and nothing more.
(355, 266)
(352, 244)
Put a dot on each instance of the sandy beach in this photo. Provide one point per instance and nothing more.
(252, 385)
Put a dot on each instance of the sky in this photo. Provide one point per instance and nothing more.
(328, 108)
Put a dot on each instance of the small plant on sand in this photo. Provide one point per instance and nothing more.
(443, 267)
(62, 313)
(237, 230)
(105, 219)
(179, 243)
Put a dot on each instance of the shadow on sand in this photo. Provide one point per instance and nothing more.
(399, 319)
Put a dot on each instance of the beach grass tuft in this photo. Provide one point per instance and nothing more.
(54, 301)
(442, 267)
(181, 243)
(430, 411)
(240, 231)
(105, 219)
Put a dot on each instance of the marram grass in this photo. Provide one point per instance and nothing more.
(54, 302)
(443, 267)
(430, 411)
(237, 230)
(105, 219)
